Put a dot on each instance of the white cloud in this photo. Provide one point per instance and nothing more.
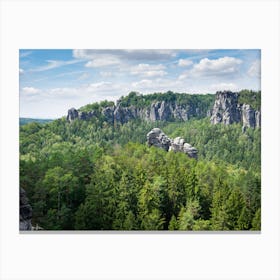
(102, 61)
(220, 66)
(25, 54)
(184, 76)
(84, 76)
(224, 86)
(255, 69)
(52, 64)
(142, 84)
(21, 71)
(148, 70)
(184, 62)
(30, 90)
(106, 74)
(157, 85)
(129, 54)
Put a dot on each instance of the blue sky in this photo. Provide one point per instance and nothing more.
(52, 81)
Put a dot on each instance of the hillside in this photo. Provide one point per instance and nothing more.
(93, 169)
(23, 121)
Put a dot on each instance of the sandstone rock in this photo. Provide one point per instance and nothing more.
(179, 145)
(25, 213)
(258, 119)
(108, 112)
(225, 109)
(158, 139)
(72, 114)
(248, 116)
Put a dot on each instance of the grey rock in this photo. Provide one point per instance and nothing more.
(25, 213)
(225, 109)
(158, 139)
(258, 119)
(72, 114)
(248, 116)
(124, 114)
(108, 112)
(179, 145)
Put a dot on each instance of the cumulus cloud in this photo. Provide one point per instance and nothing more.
(184, 76)
(184, 62)
(221, 66)
(255, 69)
(148, 70)
(21, 71)
(159, 84)
(95, 90)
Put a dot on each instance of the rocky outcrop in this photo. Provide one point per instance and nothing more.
(72, 114)
(227, 110)
(179, 145)
(157, 138)
(25, 213)
(157, 111)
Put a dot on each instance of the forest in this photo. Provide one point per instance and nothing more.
(95, 175)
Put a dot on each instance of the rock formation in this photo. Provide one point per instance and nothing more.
(179, 145)
(157, 111)
(72, 114)
(158, 139)
(25, 213)
(227, 110)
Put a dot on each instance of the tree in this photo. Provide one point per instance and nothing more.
(256, 223)
(173, 224)
(233, 207)
(188, 215)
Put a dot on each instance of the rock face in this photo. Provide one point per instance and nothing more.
(157, 111)
(25, 214)
(179, 145)
(158, 139)
(72, 114)
(227, 110)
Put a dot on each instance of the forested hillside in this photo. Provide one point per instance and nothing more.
(97, 175)
(23, 121)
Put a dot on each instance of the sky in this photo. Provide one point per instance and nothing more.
(53, 81)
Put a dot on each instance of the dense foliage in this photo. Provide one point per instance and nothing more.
(91, 175)
(250, 97)
(141, 100)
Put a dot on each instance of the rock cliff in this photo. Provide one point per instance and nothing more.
(157, 138)
(228, 110)
(157, 111)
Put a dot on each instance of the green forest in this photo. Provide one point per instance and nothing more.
(94, 175)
